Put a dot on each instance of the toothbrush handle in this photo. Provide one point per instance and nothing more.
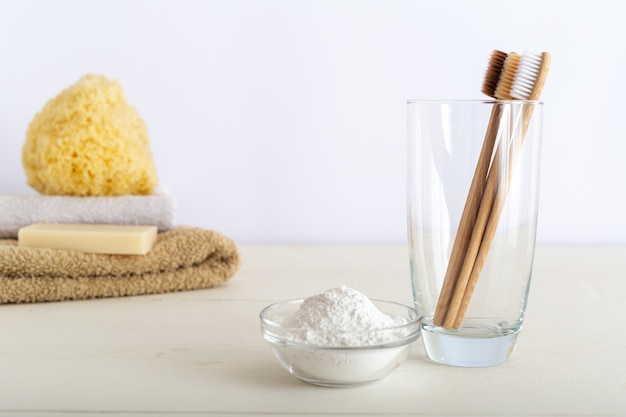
(468, 217)
(476, 261)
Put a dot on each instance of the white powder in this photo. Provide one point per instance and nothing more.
(336, 320)
(341, 317)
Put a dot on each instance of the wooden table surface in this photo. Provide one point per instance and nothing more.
(201, 352)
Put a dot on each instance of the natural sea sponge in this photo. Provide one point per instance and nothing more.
(88, 141)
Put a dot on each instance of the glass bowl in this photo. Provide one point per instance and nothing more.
(377, 354)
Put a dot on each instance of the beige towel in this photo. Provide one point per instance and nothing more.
(184, 258)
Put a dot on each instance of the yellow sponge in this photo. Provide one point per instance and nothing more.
(88, 141)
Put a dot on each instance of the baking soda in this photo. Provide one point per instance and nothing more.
(341, 317)
(328, 325)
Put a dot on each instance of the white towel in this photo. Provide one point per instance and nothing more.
(17, 211)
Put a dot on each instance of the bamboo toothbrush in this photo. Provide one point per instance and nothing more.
(527, 85)
(490, 84)
(458, 272)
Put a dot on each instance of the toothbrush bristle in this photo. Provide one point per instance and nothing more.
(526, 76)
(507, 76)
(496, 62)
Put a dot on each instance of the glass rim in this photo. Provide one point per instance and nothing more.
(474, 101)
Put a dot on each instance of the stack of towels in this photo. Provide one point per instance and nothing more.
(87, 155)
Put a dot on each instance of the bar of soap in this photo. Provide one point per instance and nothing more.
(95, 238)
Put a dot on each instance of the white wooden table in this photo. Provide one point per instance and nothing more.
(201, 353)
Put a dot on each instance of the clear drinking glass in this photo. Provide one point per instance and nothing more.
(472, 216)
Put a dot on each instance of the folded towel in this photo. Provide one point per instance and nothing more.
(17, 211)
(184, 258)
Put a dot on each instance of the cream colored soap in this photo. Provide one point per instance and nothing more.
(96, 238)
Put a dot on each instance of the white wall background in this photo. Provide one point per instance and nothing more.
(283, 121)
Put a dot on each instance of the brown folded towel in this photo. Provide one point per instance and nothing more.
(184, 258)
